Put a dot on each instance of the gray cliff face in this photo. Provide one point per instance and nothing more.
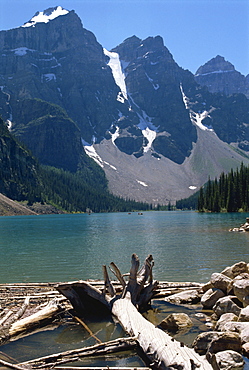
(153, 82)
(220, 75)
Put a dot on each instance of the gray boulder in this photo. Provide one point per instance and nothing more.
(176, 322)
(191, 296)
(211, 296)
(223, 282)
(239, 327)
(203, 340)
(229, 360)
(225, 341)
(235, 270)
(241, 289)
(224, 319)
(226, 305)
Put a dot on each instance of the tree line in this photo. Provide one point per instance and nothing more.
(229, 193)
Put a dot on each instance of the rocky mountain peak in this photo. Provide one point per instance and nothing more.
(46, 16)
(217, 64)
(220, 75)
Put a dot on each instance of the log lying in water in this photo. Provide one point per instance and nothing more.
(16, 325)
(161, 350)
(117, 345)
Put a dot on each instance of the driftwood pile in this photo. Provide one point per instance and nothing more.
(28, 307)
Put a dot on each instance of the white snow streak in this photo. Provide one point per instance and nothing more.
(48, 77)
(91, 152)
(146, 126)
(21, 51)
(156, 86)
(118, 75)
(115, 135)
(142, 183)
(209, 73)
(150, 135)
(42, 17)
(196, 118)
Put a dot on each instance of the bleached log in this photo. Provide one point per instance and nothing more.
(162, 350)
(117, 345)
(5, 317)
(13, 366)
(115, 270)
(34, 320)
(108, 284)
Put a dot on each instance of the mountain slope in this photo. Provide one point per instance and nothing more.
(8, 207)
(156, 132)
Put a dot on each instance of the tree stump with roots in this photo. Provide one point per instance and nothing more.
(160, 349)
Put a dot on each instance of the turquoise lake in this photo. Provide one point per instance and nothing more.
(186, 246)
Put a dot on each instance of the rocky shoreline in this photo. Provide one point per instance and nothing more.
(225, 296)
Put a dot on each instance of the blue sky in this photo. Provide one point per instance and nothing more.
(193, 31)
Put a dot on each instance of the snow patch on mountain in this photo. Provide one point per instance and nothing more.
(46, 16)
(150, 135)
(156, 86)
(196, 118)
(115, 135)
(48, 77)
(21, 51)
(91, 152)
(142, 183)
(118, 75)
(213, 72)
(149, 130)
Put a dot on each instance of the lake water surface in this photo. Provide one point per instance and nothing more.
(186, 246)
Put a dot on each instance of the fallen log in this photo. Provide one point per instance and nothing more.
(17, 325)
(25, 324)
(161, 350)
(117, 345)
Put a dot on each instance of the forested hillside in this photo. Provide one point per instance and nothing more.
(22, 178)
(229, 193)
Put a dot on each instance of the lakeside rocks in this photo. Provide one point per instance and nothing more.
(227, 295)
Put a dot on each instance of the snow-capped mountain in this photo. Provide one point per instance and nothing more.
(157, 133)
